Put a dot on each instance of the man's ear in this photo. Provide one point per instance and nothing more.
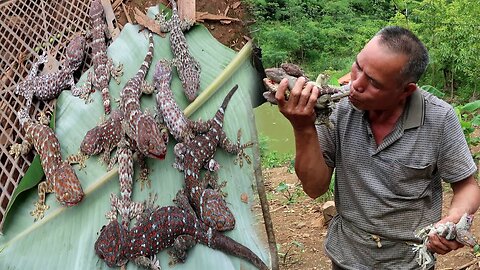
(409, 89)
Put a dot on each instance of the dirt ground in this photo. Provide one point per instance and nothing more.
(233, 34)
(299, 227)
(298, 222)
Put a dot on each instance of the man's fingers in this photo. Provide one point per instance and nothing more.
(436, 246)
(280, 94)
(312, 100)
(305, 95)
(296, 92)
(450, 244)
(441, 245)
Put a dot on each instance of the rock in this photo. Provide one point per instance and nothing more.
(301, 225)
(329, 211)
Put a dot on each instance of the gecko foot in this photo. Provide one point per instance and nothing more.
(15, 150)
(43, 118)
(147, 88)
(39, 210)
(117, 72)
(241, 151)
(78, 158)
(144, 182)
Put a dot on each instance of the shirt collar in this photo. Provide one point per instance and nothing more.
(415, 111)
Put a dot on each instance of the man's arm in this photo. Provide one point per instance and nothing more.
(310, 165)
(466, 199)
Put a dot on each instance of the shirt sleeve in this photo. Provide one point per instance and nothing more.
(455, 162)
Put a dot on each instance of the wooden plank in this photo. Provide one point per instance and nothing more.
(186, 9)
(111, 20)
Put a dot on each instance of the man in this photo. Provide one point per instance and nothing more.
(391, 146)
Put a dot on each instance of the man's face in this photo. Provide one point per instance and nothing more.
(375, 78)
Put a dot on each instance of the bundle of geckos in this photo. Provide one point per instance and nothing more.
(201, 213)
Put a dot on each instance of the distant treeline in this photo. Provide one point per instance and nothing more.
(324, 36)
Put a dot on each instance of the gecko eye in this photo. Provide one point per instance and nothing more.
(164, 135)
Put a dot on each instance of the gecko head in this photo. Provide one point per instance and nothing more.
(101, 137)
(152, 142)
(67, 188)
(190, 93)
(75, 52)
(108, 246)
(191, 83)
(214, 211)
(163, 71)
(95, 8)
(92, 142)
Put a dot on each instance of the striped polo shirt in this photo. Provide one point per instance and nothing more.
(392, 189)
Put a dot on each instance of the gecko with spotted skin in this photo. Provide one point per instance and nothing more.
(102, 138)
(182, 128)
(188, 68)
(209, 204)
(102, 65)
(123, 204)
(149, 139)
(49, 86)
(60, 176)
(327, 98)
(160, 228)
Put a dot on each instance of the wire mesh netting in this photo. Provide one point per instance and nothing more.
(27, 30)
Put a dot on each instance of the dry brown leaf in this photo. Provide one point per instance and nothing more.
(202, 16)
(126, 13)
(244, 197)
(116, 4)
(236, 5)
(143, 20)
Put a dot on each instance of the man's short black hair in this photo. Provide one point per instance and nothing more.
(401, 40)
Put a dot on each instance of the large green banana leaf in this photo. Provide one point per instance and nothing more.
(64, 238)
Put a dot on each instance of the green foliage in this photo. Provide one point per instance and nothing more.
(434, 91)
(324, 35)
(476, 250)
(318, 35)
(470, 120)
(262, 145)
(271, 159)
(291, 166)
(449, 29)
(291, 192)
(287, 255)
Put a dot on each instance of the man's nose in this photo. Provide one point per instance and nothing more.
(360, 83)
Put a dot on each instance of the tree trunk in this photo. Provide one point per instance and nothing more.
(451, 86)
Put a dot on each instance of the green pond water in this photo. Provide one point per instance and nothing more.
(271, 123)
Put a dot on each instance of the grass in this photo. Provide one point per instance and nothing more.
(274, 159)
(271, 158)
(291, 192)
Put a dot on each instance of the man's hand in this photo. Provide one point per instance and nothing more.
(298, 109)
(439, 244)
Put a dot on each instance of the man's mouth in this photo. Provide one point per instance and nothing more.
(354, 102)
